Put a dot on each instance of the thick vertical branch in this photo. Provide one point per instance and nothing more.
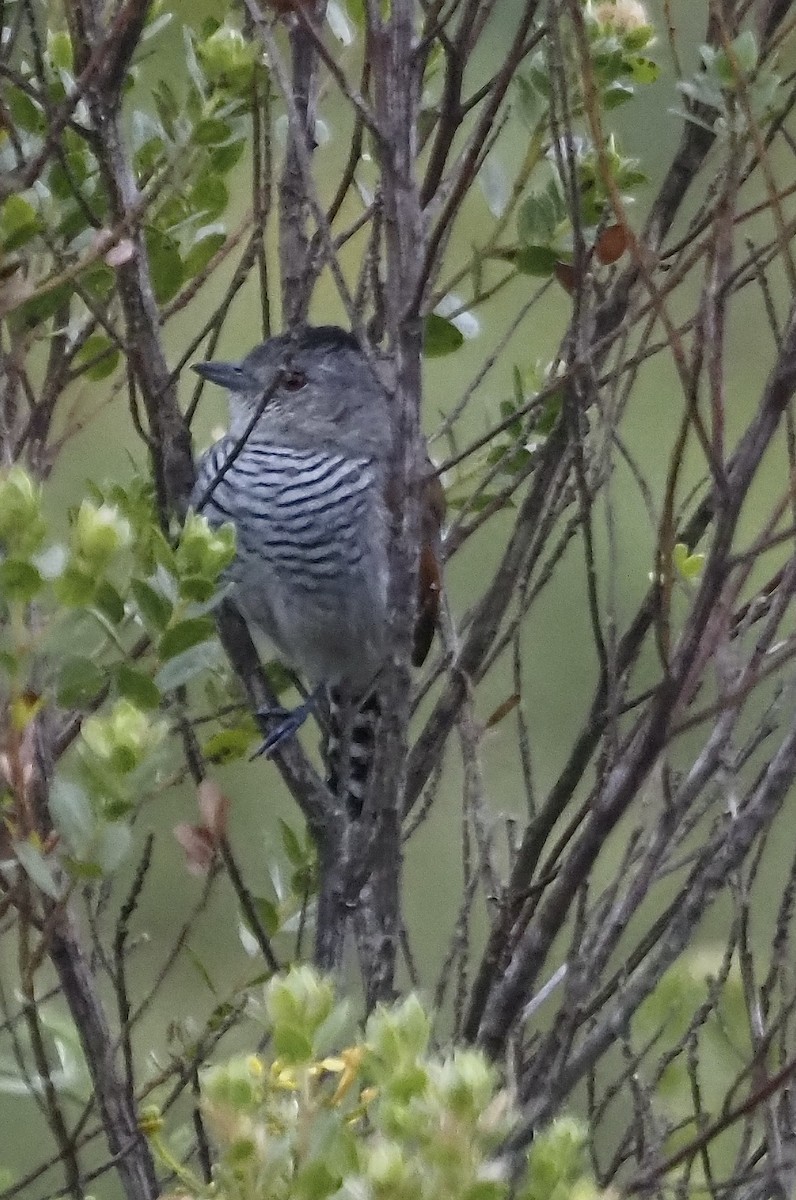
(170, 437)
(294, 206)
(397, 100)
(126, 1142)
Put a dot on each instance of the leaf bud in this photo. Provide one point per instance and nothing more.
(22, 526)
(232, 1085)
(150, 1120)
(227, 57)
(203, 550)
(124, 737)
(99, 533)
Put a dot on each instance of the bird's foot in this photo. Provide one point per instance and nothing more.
(290, 721)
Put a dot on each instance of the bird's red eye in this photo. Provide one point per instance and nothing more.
(294, 381)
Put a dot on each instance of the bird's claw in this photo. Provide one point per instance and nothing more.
(290, 721)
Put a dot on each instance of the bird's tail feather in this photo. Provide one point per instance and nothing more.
(351, 746)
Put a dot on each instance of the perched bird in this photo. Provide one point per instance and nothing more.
(303, 476)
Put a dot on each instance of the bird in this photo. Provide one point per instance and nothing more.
(303, 475)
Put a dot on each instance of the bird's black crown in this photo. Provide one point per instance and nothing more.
(327, 337)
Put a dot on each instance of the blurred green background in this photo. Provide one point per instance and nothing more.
(560, 668)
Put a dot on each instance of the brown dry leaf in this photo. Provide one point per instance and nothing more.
(214, 808)
(198, 845)
(502, 711)
(611, 244)
(565, 274)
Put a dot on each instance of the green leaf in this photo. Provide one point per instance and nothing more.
(537, 218)
(73, 221)
(643, 70)
(100, 356)
(356, 11)
(211, 131)
(536, 260)
(516, 462)
(292, 1043)
(485, 1189)
(745, 48)
(116, 808)
(608, 61)
(19, 222)
(549, 414)
(152, 605)
(441, 336)
(293, 848)
(193, 587)
(103, 783)
(149, 156)
(637, 39)
(314, 1179)
(109, 602)
(616, 94)
(27, 115)
(186, 666)
(59, 47)
(82, 869)
(41, 308)
(688, 566)
(161, 551)
(201, 252)
(114, 845)
(228, 59)
(532, 104)
(201, 970)
(167, 106)
(223, 158)
(79, 682)
(99, 280)
(60, 183)
(137, 686)
(75, 588)
(210, 197)
(630, 177)
(228, 744)
(268, 915)
(8, 663)
(73, 814)
(183, 636)
(279, 678)
(19, 580)
(38, 869)
(165, 264)
(494, 184)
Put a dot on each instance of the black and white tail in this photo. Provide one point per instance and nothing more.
(350, 747)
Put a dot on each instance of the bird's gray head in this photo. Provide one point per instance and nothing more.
(315, 388)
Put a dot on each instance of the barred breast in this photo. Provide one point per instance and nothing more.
(311, 560)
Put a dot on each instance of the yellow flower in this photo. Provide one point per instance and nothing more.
(283, 1077)
(352, 1061)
